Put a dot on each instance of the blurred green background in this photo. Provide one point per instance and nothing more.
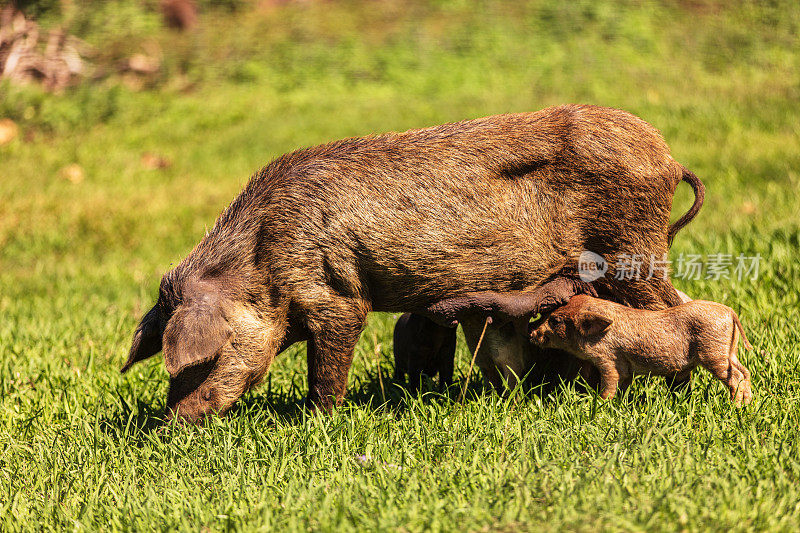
(108, 181)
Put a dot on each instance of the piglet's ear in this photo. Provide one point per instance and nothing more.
(196, 332)
(590, 323)
(146, 339)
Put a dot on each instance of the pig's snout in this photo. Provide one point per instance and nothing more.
(193, 408)
(192, 397)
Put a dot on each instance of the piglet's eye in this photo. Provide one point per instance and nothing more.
(556, 320)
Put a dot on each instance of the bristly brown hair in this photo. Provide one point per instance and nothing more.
(396, 222)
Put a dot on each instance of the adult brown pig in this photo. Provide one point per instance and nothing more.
(396, 222)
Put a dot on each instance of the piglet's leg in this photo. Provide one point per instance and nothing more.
(743, 394)
(609, 380)
(726, 372)
(590, 374)
(726, 367)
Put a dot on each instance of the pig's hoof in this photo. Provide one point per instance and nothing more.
(743, 394)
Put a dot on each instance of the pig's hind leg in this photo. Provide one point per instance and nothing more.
(516, 307)
(743, 393)
(402, 342)
(720, 359)
(446, 359)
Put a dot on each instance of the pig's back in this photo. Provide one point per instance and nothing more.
(674, 336)
(496, 203)
(421, 227)
(709, 322)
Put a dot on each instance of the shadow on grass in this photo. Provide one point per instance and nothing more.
(376, 391)
(373, 392)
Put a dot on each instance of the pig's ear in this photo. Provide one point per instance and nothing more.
(146, 339)
(590, 323)
(195, 333)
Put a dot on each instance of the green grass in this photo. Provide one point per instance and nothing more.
(81, 447)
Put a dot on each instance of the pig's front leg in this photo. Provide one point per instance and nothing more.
(335, 328)
(615, 373)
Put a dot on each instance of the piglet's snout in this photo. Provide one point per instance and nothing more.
(539, 337)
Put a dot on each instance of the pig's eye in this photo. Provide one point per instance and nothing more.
(556, 320)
